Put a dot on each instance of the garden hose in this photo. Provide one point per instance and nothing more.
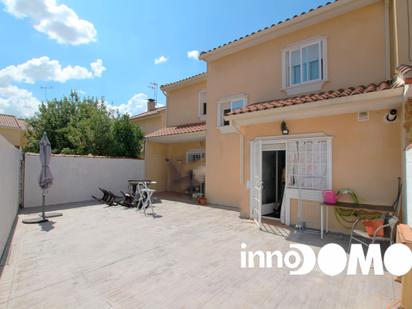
(347, 217)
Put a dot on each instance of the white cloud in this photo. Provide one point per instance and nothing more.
(17, 101)
(45, 69)
(159, 60)
(194, 54)
(58, 21)
(97, 67)
(22, 103)
(135, 105)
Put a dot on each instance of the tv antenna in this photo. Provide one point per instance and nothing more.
(45, 88)
(153, 86)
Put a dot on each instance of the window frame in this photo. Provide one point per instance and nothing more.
(202, 94)
(309, 85)
(328, 164)
(228, 101)
(201, 152)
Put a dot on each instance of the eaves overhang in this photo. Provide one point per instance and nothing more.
(391, 98)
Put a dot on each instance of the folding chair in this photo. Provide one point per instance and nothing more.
(147, 201)
(105, 198)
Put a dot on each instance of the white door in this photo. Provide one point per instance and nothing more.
(271, 175)
(256, 181)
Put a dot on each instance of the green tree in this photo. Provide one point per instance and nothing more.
(53, 118)
(127, 137)
(84, 126)
(89, 130)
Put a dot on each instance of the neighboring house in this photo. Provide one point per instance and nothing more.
(13, 129)
(151, 120)
(175, 154)
(305, 105)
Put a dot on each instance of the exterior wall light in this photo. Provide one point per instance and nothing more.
(392, 115)
(284, 128)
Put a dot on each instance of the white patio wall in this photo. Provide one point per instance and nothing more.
(9, 188)
(77, 178)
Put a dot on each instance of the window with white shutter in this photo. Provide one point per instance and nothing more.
(309, 164)
(195, 155)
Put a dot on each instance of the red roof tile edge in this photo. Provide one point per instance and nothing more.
(203, 53)
(183, 80)
(9, 121)
(180, 129)
(149, 113)
(403, 75)
(308, 98)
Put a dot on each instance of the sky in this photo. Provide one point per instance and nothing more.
(115, 49)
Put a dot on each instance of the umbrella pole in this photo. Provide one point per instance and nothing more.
(43, 214)
(39, 219)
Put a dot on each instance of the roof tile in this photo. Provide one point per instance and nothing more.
(149, 113)
(181, 129)
(182, 80)
(22, 123)
(404, 75)
(8, 121)
(307, 98)
(266, 28)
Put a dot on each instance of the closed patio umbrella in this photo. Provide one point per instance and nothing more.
(45, 178)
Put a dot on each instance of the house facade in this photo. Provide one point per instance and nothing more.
(313, 103)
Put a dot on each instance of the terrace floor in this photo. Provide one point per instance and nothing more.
(189, 256)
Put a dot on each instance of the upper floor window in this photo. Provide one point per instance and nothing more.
(228, 105)
(202, 104)
(304, 67)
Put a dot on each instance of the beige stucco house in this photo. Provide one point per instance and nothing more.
(152, 119)
(13, 129)
(175, 154)
(316, 102)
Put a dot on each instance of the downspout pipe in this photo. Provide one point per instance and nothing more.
(387, 41)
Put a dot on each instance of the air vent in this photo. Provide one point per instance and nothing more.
(363, 116)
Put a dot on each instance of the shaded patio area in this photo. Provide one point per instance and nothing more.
(189, 256)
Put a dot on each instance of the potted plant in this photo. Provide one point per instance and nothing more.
(202, 200)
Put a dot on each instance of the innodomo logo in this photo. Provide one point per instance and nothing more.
(332, 259)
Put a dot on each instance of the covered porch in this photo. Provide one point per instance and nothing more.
(329, 141)
(175, 158)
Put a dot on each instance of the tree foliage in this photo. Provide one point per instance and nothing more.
(84, 126)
